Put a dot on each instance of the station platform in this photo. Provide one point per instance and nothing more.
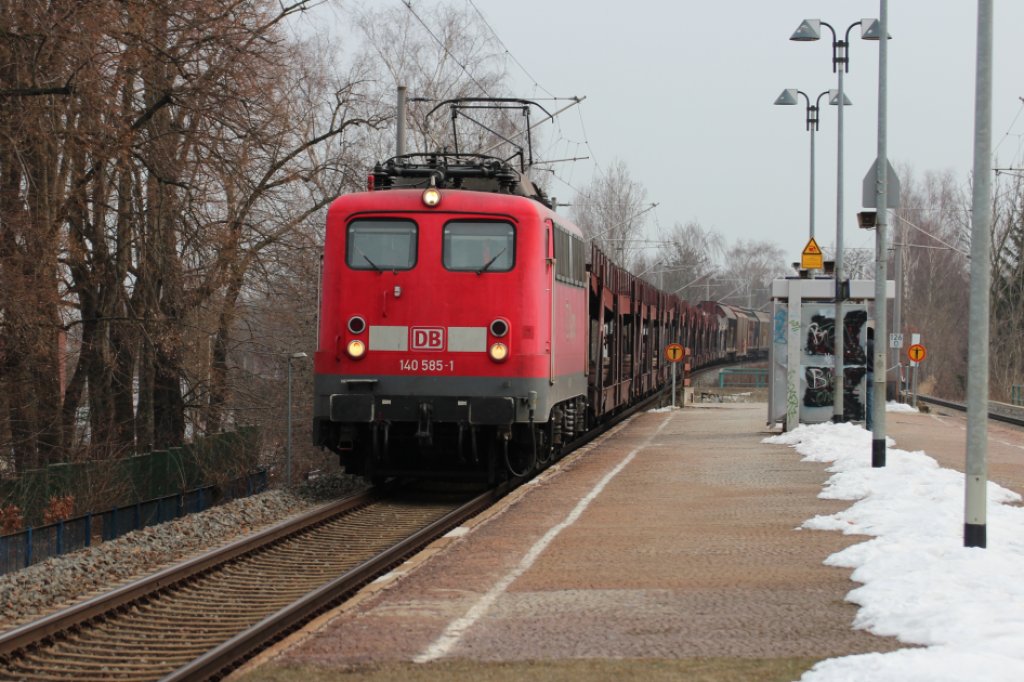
(668, 549)
(942, 433)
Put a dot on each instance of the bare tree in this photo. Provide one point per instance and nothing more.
(154, 160)
(932, 222)
(444, 54)
(690, 259)
(1007, 318)
(43, 50)
(859, 263)
(612, 211)
(750, 268)
(290, 165)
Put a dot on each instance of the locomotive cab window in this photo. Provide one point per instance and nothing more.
(381, 245)
(479, 246)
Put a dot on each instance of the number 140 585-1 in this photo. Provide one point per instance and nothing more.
(414, 365)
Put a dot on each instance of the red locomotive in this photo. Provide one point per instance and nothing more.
(453, 322)
(464, 333)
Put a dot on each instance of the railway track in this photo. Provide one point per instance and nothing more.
(200, 619)
(197, 619)
(1001, 412)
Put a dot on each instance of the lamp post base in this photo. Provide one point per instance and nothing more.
(974, 535)
(878, 453)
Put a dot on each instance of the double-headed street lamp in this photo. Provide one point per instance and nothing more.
(789, 97)
(810, 29)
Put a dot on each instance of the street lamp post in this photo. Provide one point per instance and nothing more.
(878, 362)
(789, 97)
(976, 466)
(809, 30)
(288, 452)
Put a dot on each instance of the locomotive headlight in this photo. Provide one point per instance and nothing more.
(431, 197)
(498, 352)
(356, 349)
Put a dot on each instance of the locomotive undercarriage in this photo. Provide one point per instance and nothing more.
(430, 448)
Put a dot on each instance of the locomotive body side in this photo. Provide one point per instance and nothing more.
(451, 324)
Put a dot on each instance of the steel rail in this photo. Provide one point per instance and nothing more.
(44, 628)
(993, 415)
(230, 654)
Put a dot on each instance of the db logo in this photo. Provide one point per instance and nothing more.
(428, 338)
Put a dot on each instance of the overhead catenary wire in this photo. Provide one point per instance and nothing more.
(1012, 124)
(511, 56)
(536, 83)
(586, 139)
(550, 117)
(508, 51)
(929, 234)
(574, 100)
(465, 69)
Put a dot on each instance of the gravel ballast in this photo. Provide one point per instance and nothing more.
(62, 581)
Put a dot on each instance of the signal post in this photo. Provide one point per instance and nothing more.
(675, 354)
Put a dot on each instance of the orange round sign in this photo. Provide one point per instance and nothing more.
(916, 352)
(674, 352)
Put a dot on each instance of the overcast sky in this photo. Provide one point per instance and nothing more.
(683, 92)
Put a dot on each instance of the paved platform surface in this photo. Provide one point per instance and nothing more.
(669, 549)
(942, 433)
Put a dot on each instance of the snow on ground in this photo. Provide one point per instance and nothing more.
(965, 606)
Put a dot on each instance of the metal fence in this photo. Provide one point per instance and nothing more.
(104, 483)
(743, 377)
(33, 545)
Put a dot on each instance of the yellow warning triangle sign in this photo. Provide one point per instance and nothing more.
(811, 258)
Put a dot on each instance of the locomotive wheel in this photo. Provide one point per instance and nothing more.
(521, 452)
(544, 448)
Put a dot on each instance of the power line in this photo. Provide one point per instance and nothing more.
(408, 5)
(590, 150)
(586, 138)
(536, 85)
(508, 51)
(570, 185)
(1012, 124)
(551, 96)
(929, 234)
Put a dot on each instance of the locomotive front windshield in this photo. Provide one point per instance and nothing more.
(479, 246)
(381, 245)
